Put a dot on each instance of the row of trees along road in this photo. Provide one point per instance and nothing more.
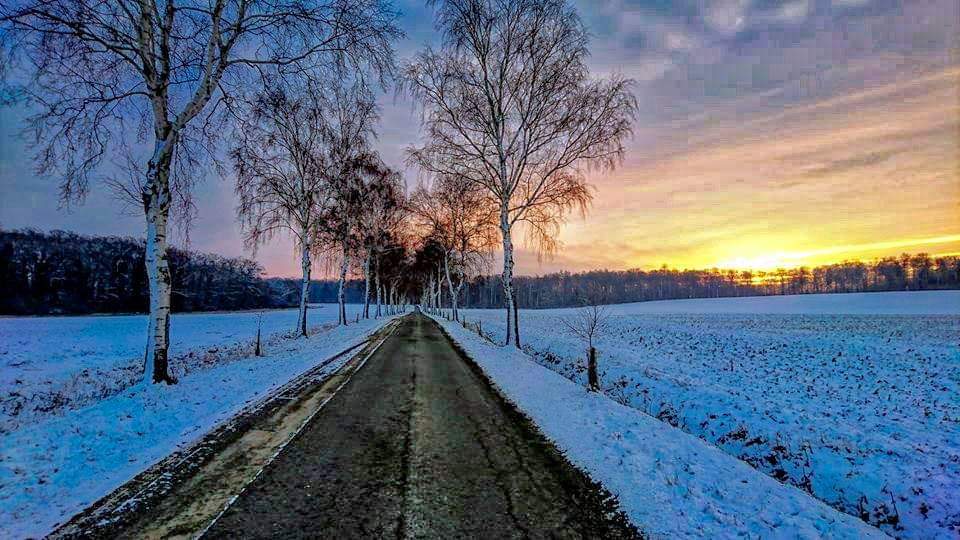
(156, 82)
(512, 123)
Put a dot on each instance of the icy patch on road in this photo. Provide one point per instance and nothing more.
(671, 484)
(52, 469)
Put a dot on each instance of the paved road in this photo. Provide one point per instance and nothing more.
(417, 445)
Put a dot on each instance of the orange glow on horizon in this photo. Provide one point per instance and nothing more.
(871, 174)
(771, 260)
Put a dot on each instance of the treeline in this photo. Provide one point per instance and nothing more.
(564, 289)
(61, 272)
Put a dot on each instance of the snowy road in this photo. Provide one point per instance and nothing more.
(413, 443)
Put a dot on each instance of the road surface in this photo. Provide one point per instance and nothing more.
(417, 445)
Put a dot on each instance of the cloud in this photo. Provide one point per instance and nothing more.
(726, 17)
(852, 163)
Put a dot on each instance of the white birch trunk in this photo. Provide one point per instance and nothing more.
(392, 293)
(507, 276)
(156, 206)
(305, 265)
(453, 296)
(456, 297)
(439, 292)
(366, 277)
(341, 294)
(376, 276)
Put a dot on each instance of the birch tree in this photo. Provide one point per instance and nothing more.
(425, 269)
(510, 105)
(380, 214)
(346, 157)
(161, 73)
(463, 221)
(394, 270)
(276, 156)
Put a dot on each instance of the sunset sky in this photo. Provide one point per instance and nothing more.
(769, 134)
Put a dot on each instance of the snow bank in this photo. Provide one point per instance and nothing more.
(49, 364)
(53, 469)
(862, 411)
(671, 484)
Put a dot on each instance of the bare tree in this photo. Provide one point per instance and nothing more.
(588, 323)
(509, 104)
(461, 218)
(380, 214)
(395, 267)
(276, 155)
(164, 72)
(347, 158)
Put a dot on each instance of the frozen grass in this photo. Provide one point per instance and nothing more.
(670, 483)
(51, 469)
(860, 410)
(51, 364)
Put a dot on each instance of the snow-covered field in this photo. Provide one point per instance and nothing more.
(50, 364)
(670, 483)
(853, 398)
(52, 468)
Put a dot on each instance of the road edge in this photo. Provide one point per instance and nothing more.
(110, 515)
(346, 380)
(596, 494)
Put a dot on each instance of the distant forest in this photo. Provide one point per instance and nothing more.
(65, 273)
(563, 289)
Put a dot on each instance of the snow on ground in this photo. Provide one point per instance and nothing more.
(54, 468)
(49, 364)
(670, 483)
(885, 303)
(860, 410)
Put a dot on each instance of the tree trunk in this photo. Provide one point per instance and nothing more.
(304, 285)
(376, 276)
(439, 291)
(258, 351)
(509, 324)
(593, 378)
(341, 294)
(156, 207)
(516, 319)
(388, 292)
(507, 276)
(366, 277)
(456, 299)
(388, 298)
(453, 296)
